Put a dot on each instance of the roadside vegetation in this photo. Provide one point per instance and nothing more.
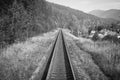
(19, 61)
(83, 62)
(104, 54)
(105, 33)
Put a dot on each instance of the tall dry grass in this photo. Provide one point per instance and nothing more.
(82, 62)
(105, 54)
(19, 61)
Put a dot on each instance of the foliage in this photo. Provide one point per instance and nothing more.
(77, 21)
(19, 61)
(21, 19)
(105, 55)
(111, 38)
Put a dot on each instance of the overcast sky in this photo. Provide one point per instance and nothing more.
(88, 5)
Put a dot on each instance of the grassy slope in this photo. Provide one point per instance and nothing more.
(86, 68)
(19, 61)
(104, 55)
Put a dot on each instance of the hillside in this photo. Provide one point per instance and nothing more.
(96, 12)
(112, 13)
(77, 21)
(22, 19)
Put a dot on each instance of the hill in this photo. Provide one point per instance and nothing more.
(77, 21)
(112, 13)
(22, 19)
(97, 12)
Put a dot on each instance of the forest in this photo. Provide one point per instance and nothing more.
(21, 19)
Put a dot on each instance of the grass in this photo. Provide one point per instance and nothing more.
(105, 54)
(19, 61)
(96, 57)
(83, 62)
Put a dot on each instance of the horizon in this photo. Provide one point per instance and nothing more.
(87, 5)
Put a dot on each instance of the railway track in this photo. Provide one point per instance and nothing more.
(58, 65)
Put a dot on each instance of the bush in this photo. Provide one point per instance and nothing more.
(111, 38)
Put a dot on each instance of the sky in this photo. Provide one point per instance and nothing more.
(89, 5)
